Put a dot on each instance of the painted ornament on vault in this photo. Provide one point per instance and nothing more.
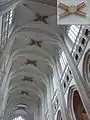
(41, 18)
(35, 43)
(72, 9)
(32, 62)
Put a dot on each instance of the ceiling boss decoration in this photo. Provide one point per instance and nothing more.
(20, 108)
(29, 79)
(33, 62)
(35, 43)
(24, 93)
(72, 9)
(41, 18)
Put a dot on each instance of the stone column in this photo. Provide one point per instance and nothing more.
(1, 113)
(40, 112)
(62, 102)
(51, 89)
(50, 108)
(84, 93)
(59, 68)
(43, 109)
(1, 118)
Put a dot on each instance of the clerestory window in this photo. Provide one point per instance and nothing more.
(10, 17)
(63, 60)
(6, 24)
(73, 32)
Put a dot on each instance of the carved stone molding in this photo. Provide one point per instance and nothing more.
(86, 66)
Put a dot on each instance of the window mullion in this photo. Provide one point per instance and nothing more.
(71, 37)
(74, 31)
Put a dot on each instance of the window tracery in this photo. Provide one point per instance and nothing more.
(63, 60)
(10, 17)
(73, 32)
(59, 115)
(80, 41)
(80, 44)
(6, 23)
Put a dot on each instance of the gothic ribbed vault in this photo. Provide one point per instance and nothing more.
(33, 50)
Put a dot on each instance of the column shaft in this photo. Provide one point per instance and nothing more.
(65, 114)
(50, 109)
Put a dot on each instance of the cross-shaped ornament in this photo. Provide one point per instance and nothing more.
(41, 18)
(36, 43)
(72, 9)
(30, 79)
(21, 108)
(33, 62)
(24, 92)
